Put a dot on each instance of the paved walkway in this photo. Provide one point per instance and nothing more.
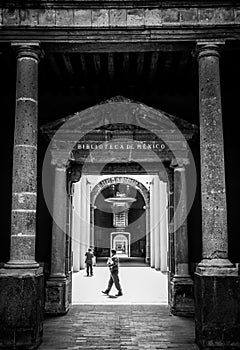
(119, 327)
(141, 285)
(139, 320)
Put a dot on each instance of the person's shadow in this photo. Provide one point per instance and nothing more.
(112, 296)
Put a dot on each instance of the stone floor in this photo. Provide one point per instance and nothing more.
(119, 327)
(141, 285)
(139, 320)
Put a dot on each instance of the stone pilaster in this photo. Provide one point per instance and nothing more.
(182, 296)
(92, 207)
(216, 280)
(83, 222)
(76, 227)
(156, 222)
(21, 282)
(88, 217)
(163, 203)
(152, 252)
(57, 286)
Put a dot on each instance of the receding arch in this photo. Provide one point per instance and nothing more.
(119, 179)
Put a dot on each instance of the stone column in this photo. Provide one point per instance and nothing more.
(58, 284)
(152, 252)
(21, 281)
(92, 207)
(171, 222)
(83, 222)
(147, 216)
(24, 184)
(182, 301)
(163, 202)
(76, 227)
(216, 283)
(88, 226)
(59, 226)
(156, 222)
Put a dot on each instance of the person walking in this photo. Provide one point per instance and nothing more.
(94, 257)
(113, 264)
(89, 262)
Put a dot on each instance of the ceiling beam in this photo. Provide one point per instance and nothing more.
(125, 64)
(68, 67)
(97, 64)
(153, 66)
(140, 64)
(54, 66)
(84, 67)
(111, 66)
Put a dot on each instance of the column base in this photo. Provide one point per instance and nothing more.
(58, 295)
(217, 311)
(216, 267)
(21, 308)
(21, 264)
(182, 296)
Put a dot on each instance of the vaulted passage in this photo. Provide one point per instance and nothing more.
(119, 132)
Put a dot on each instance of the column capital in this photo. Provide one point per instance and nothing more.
(28, 49)
(208, 48)
(59, 159)
(179, 163)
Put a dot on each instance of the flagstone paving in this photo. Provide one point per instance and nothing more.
(118, 327)
(139, 320)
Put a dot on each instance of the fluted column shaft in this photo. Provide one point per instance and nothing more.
(24, 184)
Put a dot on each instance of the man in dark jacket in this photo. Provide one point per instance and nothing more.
(113, 263)
(89, 262)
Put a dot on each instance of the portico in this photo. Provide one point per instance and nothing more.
(87, 55)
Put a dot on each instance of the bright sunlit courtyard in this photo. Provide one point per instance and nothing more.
(140, 285)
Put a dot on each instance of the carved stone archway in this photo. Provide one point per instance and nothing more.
(123, 180)
(78, 147)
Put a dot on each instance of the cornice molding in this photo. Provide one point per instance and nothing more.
(119, 40)
(73, 4)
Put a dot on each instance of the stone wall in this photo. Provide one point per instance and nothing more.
(119, 17)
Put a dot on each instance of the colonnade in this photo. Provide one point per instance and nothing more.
(209, 282)
(158, 227)
(81, 222)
